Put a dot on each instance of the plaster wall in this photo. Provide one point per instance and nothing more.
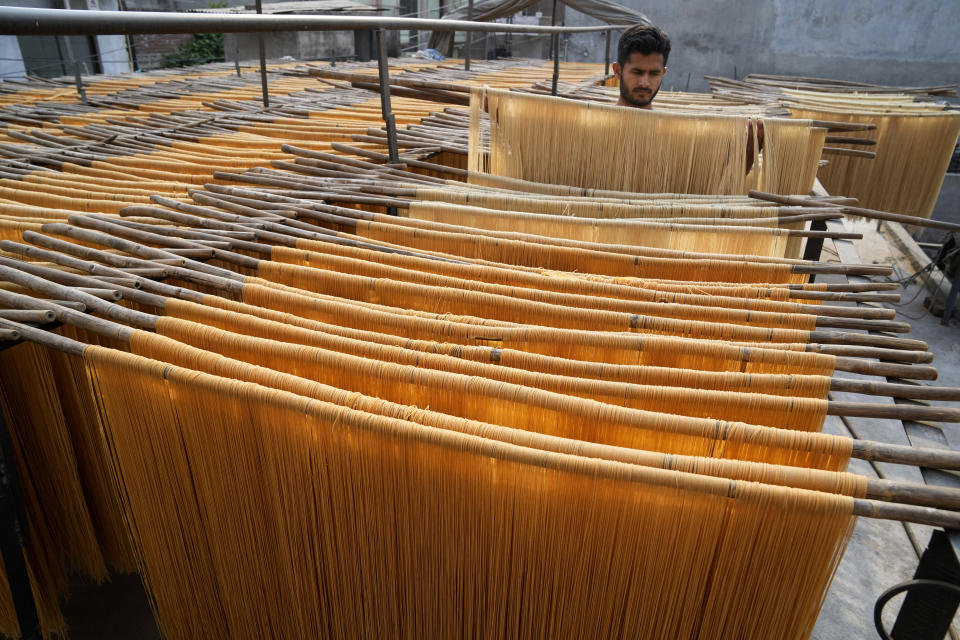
(114, 57)
(301, 45)
(11, 63)
(903, 42)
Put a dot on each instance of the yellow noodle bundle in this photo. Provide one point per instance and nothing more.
(802, 385)
(508, 310)
(597, 146)
(580, 345)
(735, 240)
(913, 151)
(566, 255)
(753, 408)
(40, 434)
(699, 307)
(593, 207)
(791, 156)
(376, 526)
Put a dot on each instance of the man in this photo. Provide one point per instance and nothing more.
(642, 54)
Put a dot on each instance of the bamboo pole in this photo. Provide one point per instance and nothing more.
(859, 211)
(881, 494)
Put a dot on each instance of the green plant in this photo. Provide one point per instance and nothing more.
(200, 49)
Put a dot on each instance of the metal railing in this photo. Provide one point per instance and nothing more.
(58, 22)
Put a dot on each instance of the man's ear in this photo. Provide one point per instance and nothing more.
(665, 71)
(616, 68)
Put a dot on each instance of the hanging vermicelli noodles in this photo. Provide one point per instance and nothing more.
(524, 221)
(386, 516)
(159, 347)
(512, 405)
(754, 408)
(45, 588)
(94, 464)
(41, 436)
(791, 155)
(538, 283)
(544, 252)
(13, 230)
(804, 386)
(766, 291)
(484, 180)
(406, 233)
(47, 581)
(702, 311)
(578, 345)
(667, 153)
(431, 520)
(913, 151)
(594, 208)
(454, 295)
(573, 259)
(746, 240)
(440, 300)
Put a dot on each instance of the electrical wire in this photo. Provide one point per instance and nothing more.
(56, 62)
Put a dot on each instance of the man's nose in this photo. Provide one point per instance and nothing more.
(644, 80)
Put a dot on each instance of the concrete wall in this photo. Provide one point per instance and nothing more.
(947, 207)
(114, 57)
(45, 50)
(11, 64)
(902, 42)
(301, 45)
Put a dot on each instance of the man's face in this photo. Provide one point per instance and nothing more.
(640, 78)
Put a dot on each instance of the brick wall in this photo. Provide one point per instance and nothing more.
(151, 47)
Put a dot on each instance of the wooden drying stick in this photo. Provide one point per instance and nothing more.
(857, 211)
(419, 164)
(885, 499)
(89, 260)
(73, 287)
(240, 260)
(850, 357)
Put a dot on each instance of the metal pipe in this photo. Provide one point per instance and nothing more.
(556, 64)
(79, 79)
(606, 67)
(951, 297)
(383, 66)
(555, 45)
(469, 43)
(38, 22)
(263, 63)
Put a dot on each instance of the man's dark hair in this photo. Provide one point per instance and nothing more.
(645, 39)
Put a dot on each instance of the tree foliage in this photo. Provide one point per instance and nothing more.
(200, 49)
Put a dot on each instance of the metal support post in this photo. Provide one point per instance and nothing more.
(79, 79)
(555, 46)
(606, 68)
(383, 65)
(814, 246)
(556, 64)
(263, 63)
(952, 296)
(236, 55)
(469, 44)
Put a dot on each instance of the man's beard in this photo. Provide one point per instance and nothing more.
(640, 100)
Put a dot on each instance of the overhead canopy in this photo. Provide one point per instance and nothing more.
(488, 10)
